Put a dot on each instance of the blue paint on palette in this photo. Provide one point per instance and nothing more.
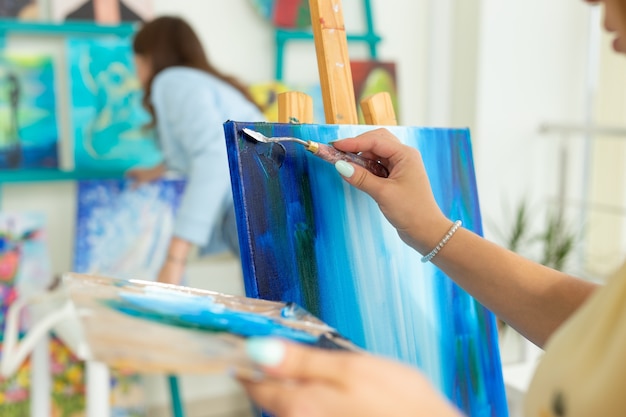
(307, 236)
(201, 312)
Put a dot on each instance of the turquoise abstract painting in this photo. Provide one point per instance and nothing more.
(308, 237)
(28, 123)
(108, 119)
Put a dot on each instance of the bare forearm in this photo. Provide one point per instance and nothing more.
(173, 267)
(532, 298)
(178, 250)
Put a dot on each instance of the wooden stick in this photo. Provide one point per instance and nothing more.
(378, 110)
(295, 107)
(331, 47)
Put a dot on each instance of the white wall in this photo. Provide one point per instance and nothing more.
(242, 43)
(532, 62)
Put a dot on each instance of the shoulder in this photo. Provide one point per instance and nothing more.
(176, 85)
(180, 77)
(183, 81)
(176, 88)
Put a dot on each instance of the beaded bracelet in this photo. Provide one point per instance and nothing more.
(443, 241)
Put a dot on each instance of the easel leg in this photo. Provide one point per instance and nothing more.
(98, 390)
(177, 402)
(41, 381)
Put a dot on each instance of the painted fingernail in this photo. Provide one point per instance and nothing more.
(346, 169)
(265, 351)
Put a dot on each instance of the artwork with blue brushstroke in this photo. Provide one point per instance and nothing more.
(108, 119)
(123, 231)
(308, 237)
(28, 133)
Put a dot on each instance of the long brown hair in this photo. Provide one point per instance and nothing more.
(169, 41)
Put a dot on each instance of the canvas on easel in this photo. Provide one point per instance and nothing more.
(309, 237)
(123, 230)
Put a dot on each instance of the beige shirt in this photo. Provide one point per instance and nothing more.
(583, 371)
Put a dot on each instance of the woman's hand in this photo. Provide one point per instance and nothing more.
(144, 175)
(405, 197)
(304, 381)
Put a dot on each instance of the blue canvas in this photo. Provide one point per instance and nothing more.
(123, 231)
(109, 122)
(29, 134)
(307, 236)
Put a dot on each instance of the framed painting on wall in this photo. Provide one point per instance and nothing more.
(102, 11)
(266, 96)
(287, 14)
(370, 77)
(20, 9)
(29, 134)
(109, 122)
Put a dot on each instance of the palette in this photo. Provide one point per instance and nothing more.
(153, 327)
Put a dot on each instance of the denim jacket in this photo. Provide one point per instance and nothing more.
(191, 107)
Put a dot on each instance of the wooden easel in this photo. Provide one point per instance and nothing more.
(331, 46)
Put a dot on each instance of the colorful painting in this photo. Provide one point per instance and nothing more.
(28, 133)
(266, 96)
(102, 11)
(286, 14)
(24, 271)
(123, 231)
(371, 77)
(24, 261)
(109, 122)
(68, 386)
(20, 9)
(15, 392)
(307, 237)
